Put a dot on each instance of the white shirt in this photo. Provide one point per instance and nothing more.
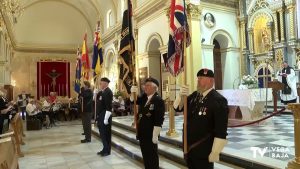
(149, 98)
(46, 105)
(31, 109)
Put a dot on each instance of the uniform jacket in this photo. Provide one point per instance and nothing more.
(104, 102)
(206, 119)
(87, 96)
(149, 115)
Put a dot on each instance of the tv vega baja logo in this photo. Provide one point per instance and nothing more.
(272, 152)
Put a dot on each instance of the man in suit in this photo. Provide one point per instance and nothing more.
(104, 107)
(22, 102)
(150, 119)
(207, 118)
(87, 97)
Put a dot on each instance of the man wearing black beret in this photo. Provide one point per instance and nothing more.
(207, 118)
(104, 106)
(150, 119)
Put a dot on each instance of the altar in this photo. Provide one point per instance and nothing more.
(249, 103)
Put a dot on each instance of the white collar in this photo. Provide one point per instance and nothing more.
(150, 96)
(206, 92)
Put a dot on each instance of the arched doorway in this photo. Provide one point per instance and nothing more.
(111, 69)
(154, 64)
(217, 65)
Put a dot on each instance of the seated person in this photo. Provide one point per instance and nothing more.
(119, 107)
(47, 110)
(33, 111)
(52, 97)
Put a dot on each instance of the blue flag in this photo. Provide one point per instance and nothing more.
(78, 73)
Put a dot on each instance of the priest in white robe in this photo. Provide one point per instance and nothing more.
(288, 77)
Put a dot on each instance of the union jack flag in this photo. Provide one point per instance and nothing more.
(178, 25)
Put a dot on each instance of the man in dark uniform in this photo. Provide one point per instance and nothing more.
(150, 119)
(87, 97)
(207, 118)
(104, 106)
(5, 108)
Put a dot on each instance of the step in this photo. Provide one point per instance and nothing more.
(133, 151)
(165, 149)
(224, 157)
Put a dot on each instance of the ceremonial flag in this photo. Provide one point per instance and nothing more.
(85, 59)
(178, 25)
(97, 54)
(127, 65)
(78, 73)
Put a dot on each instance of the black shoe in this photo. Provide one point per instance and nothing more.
(100, 152)
(85, 141)
(105, 154)
(82, 134)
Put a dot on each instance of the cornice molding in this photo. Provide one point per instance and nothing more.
(232, 4)
(217, 7)
(149, 10)
(109, 35)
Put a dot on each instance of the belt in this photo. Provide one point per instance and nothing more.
(198, 142)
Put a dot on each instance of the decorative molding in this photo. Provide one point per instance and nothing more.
(224, 3)
(257, 15)
(260, 4)
(153, 37)
(110, 34)
(217, 7)
(194, 11)
(148, 10)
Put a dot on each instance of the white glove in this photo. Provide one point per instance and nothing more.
(218, 146)
(177, 102)
(156, 131)
(106, 117)
(134, 89)
(184, 90)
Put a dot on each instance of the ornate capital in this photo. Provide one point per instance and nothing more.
(276, 5)
(194, 11)
(289, 2)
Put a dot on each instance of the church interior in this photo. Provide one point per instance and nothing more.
(47, 50)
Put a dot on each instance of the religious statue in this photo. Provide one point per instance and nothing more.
(209, 20)
(53, 75)
(265, 39)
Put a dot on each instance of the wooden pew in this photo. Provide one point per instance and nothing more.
(16, 125)
(8, 155)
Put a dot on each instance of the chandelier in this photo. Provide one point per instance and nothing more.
(14, 8)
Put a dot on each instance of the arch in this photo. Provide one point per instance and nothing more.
(222, 35)
(263, 65)
(257, 15)
(154, 36)
(109, 57)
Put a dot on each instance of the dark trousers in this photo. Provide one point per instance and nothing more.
(23, 112)
(196, 163)
(87, 128)
(1, 123)
(149, 152)
(105, 134)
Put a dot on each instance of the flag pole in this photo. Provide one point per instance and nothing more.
(185, 148)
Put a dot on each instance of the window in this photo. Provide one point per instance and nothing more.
(108, 18)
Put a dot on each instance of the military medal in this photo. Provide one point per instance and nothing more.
(204, 112)
(200, 113)
(151, 107)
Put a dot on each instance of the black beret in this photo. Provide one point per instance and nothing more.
(105, 79)
(150, 79)
(205, 72)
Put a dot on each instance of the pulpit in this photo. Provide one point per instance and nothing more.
(276, 86)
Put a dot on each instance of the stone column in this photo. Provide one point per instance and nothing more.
(243, 33)
(276, 37)
(194, 58)
(291, 9)
(251, 47)
(282, 33)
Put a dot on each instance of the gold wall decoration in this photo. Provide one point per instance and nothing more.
(297, 50)
(260, 34)
(260, 4)
(193, 11)
(291, 10)
(279, 57)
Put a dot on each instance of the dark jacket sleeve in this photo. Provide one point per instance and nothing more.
(159, 113)
(220, 117)
(108, 100)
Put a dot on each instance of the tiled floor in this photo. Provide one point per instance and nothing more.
(275, 137)
(60, 148)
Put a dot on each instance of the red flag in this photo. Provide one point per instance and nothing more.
(85, 59)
